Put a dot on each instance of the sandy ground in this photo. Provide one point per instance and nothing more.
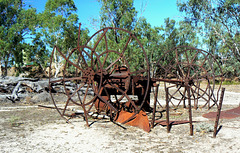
(33, 129)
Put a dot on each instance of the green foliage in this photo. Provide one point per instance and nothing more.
(230, 83)
(218, 24)
(15, 23)
(118, 14)
(204, 128)
(215, 22)
(14, 121)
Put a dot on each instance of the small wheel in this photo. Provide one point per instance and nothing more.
(184, 67)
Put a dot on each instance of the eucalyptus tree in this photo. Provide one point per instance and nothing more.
(60, 28)
(187, 34)
(118, 14)
(16, 22)
(150, 38)
(220, 25)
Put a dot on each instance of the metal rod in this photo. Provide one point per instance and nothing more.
(219, 112)
(167, 111)
(190, 111)
(155, 105)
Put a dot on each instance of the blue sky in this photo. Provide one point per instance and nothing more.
(155, 10)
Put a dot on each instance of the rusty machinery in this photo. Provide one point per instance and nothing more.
(121, 82)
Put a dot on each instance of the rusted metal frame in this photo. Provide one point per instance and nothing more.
(218, 113)
(76, 72)
(84, 98)
(154, 91)
(173, 81)
(145, 96)
(69, 97)
(67, 59)
(108, 84)
(172, 95)
(206, 57)
(201, 96)
(214, 99)
(221, 76)
(125, 47)
(196, 102)
(178, 65)
(124, 94)
(133, 86)
(50, 86)
(67, 93)
(92, 101)
(113, 63)
(65, 107)
(165, 69)
(183, 99)
(194, 98)
(167, 110)
(81, 54)
(172, 67)
(145, 55)
(193, 95)
(106, 102)
(155, 105)
(198, 51)
(190, 111)
(209, 95)
(85, 115)
(95, 46)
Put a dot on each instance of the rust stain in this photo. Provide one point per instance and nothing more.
(227, 114)
(140, 120)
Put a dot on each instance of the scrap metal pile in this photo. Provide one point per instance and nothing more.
(122, 80)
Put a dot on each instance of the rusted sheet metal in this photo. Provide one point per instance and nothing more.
(139, 120)
(227, 114)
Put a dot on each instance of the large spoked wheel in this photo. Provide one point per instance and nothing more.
(186, 68)
(101, 76)
(80, 82)
(123, 61)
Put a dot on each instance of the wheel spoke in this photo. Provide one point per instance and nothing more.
(193, 67)
(125, 47)
(113, 63)
(104, 33)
